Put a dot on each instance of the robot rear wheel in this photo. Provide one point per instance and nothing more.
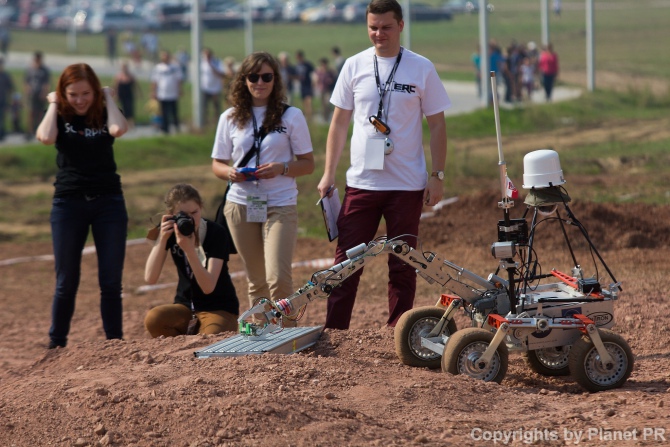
(409, 329)
(549, 361)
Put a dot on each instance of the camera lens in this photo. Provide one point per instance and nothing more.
(185, 224)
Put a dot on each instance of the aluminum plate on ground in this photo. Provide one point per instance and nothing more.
(288, 341)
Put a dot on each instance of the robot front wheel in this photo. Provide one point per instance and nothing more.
(410, 328)
(465, 347)
(589, 372)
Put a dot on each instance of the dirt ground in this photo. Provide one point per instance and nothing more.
(349, 388)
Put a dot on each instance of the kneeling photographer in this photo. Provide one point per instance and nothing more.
(205, 301)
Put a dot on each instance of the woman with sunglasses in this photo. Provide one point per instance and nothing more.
(261, 203)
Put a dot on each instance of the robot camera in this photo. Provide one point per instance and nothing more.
(503, 250)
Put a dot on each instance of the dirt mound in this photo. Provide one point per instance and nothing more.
(348, 389)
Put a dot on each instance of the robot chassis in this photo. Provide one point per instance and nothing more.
(562, 328)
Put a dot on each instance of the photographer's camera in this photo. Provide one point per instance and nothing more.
(184, 222)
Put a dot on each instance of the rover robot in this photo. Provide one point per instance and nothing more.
(562, 326)
(561, 322)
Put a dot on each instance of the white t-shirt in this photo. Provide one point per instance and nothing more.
(167, 78)
(280, 145)
(210, 79)
(417, 91)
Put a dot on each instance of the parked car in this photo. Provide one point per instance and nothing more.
(465, 6)
(293, 9)
(170, 16)
(325, 12)
(58, 18)
(41, 19)
(424, 12)
(223, 15)
(266, 10)
(8, 14)
(355, 11)
(101, 21)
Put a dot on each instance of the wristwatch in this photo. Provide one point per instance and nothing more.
(285, 168)
(438, 174)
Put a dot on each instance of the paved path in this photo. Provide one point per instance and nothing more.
(463, 94)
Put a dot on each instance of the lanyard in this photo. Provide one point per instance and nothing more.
(387, 86)
(258, 138)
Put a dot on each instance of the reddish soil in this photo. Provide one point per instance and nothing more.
(349, 388)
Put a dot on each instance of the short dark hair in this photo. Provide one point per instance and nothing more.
(384, 6)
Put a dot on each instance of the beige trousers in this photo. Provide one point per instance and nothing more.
(266, 248)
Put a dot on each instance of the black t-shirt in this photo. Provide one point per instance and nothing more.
(304, 71)
(223, 297)
(85, 159)
(36, 78)
(6, 87)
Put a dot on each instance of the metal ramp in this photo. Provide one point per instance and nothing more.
(288, 341)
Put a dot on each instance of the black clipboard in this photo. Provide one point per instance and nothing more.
(330, 208)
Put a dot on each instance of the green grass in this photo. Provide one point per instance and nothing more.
(592, 109)
(644, 161)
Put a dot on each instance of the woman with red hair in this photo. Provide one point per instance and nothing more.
(82, 121)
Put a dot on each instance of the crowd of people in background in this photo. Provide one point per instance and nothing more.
(523, 68)
(302, 79)
(168, 72)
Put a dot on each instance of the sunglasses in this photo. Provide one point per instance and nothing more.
(254, 77)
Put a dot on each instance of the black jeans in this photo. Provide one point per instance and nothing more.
(548, 83)
(169, 113)
(71, 218)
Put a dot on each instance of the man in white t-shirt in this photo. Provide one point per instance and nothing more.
(211, 82)
(166, 87)
(394, 88)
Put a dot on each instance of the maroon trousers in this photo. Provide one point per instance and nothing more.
(357, 223)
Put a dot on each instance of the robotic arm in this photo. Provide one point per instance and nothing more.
(430, 267)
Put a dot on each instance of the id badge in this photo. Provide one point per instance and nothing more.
(257, 208)
(374, 154)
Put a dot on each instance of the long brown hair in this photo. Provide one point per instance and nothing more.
(240, 97)
(75, 73)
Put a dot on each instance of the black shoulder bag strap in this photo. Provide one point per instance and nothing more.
(256, 147)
